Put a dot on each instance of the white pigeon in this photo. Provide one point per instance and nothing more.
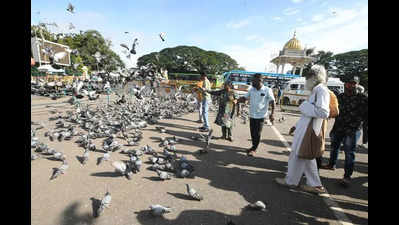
(159, 210)
(120, 167)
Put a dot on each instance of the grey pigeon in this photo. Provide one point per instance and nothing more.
(85, 156)
(58, 171)
(193, 193)
(71, 8)
(34, 156)
(59, 156)
(163, 175)
(105, 203)
(159, 210)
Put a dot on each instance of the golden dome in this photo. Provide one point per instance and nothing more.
(293, 43)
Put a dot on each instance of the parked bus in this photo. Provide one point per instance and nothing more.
(180, 79)
(241, 80)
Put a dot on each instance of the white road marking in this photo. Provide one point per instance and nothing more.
(338, 212)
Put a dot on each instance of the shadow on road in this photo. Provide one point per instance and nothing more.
(70, 216)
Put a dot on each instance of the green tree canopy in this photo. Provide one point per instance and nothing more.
(189, 59)
(345, 65)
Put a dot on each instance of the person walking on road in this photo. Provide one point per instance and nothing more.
(353, 108)
(316, 110)
(227, 107)
(259, 97)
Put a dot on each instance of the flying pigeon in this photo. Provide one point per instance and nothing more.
(193, 193)
(258, 205)
(71, 8)
(159, 210)
(133, 49)
(71, 26)
(105, 157)
(162, 36)
(105, 203)
(58, 171)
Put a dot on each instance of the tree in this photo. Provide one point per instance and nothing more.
(350, 64)
(189, 59)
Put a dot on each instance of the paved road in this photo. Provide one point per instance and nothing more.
(228, 179)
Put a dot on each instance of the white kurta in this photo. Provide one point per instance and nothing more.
(319, 111)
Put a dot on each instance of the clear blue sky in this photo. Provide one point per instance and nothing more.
(250, 31)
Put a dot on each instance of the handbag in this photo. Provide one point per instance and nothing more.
(313, 146)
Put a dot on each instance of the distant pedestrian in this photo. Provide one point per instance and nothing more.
(315, 110)
(259, 97)
(279, 94)
(206, 100)
(199, 101)
(353, 108)
(227, 107)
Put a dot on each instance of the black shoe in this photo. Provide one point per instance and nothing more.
(229, 139)
(204, 129)
(251, 149)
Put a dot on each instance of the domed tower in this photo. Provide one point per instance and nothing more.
(292, 54)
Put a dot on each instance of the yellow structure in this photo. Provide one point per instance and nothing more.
(292, 54)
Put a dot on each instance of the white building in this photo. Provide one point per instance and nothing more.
(292, 54)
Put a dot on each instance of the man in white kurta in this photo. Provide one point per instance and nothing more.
(318, 110)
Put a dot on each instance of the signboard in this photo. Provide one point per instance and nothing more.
(37, 45)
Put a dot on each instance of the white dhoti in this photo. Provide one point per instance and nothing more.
(318, 111)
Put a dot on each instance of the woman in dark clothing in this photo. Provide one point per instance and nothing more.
(227, 107)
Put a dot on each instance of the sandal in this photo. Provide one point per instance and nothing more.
(316, 190)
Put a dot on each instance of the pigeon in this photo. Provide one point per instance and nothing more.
(120, 167)
(133, 50)
(59, 156)
(159, 210)
(292, 130)
(85, 156)
(162, 36)
(163, 175)
(258, 205)
(193, 193)
(71, 8)
(34, 156)
(105, 203)
(71, 26)
(105, 157)
(58, 171)
(137, 165)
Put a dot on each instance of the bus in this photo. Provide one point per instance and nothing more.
(241, 80)
(189, 79)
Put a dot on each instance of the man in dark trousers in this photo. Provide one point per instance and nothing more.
(259, 97)
(353, 111)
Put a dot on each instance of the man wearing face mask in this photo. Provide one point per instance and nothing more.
(353, 110)
(315, 110)
(259, 97)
